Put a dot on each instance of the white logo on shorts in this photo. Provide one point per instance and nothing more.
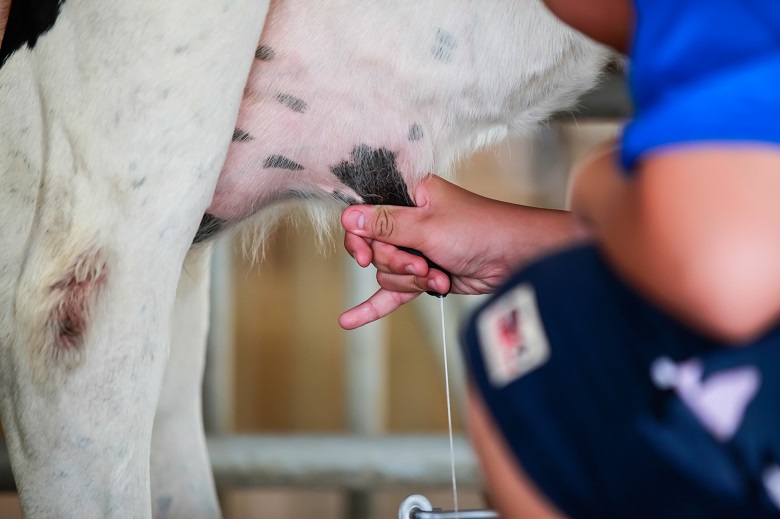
(719, 402)
(771, 479)
(512, 338)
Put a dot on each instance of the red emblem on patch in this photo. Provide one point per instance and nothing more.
(512, 338)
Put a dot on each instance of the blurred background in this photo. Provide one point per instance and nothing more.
(293, 363)
(307, 420)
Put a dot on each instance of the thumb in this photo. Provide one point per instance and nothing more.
(397, 225)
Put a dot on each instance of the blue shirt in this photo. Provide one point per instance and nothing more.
(704, 71)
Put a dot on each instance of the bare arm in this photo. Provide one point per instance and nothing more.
(697, 231)
(509, 488)
(5, 8)
(607, 21)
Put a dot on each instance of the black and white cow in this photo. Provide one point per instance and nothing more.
(115, 122)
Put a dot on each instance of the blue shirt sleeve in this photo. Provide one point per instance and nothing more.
(703, 71)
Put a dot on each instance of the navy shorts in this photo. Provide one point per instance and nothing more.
(614, 409)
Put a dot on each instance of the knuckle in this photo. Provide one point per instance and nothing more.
(384, 223)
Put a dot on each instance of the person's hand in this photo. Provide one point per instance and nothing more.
(478, 240)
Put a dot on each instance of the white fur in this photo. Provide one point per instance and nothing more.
(368, 71)
(106, 148)
(182, 483)
(113, 130)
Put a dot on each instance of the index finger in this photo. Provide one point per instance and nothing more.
(382, 303)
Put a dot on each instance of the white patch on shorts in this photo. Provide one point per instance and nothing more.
(771, 479)
(720, 402)
(512, 337)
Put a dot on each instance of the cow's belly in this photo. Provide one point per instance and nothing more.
(360, 113)
(299, 142)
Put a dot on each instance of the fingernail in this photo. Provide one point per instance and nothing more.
(356, 220)
(410, 270)
(432, 285)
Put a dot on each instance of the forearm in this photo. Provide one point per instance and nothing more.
(536, 232)
(5, 8)
(607, 21)
(497, 238)
(698, 232)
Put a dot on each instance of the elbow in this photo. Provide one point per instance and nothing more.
(728, 322)
(712, 237)
(733, 299)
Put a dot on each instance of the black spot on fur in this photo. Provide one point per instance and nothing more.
(27, 21)
(341, 197)
(444, 46)
(373, 175)
(415, 132)
(209, 227)
(293, 103)
(281, 162)
(265, 53)
(240, 135)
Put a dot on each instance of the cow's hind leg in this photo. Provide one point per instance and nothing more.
(182, 483)
(114, 125)
(79, 404)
